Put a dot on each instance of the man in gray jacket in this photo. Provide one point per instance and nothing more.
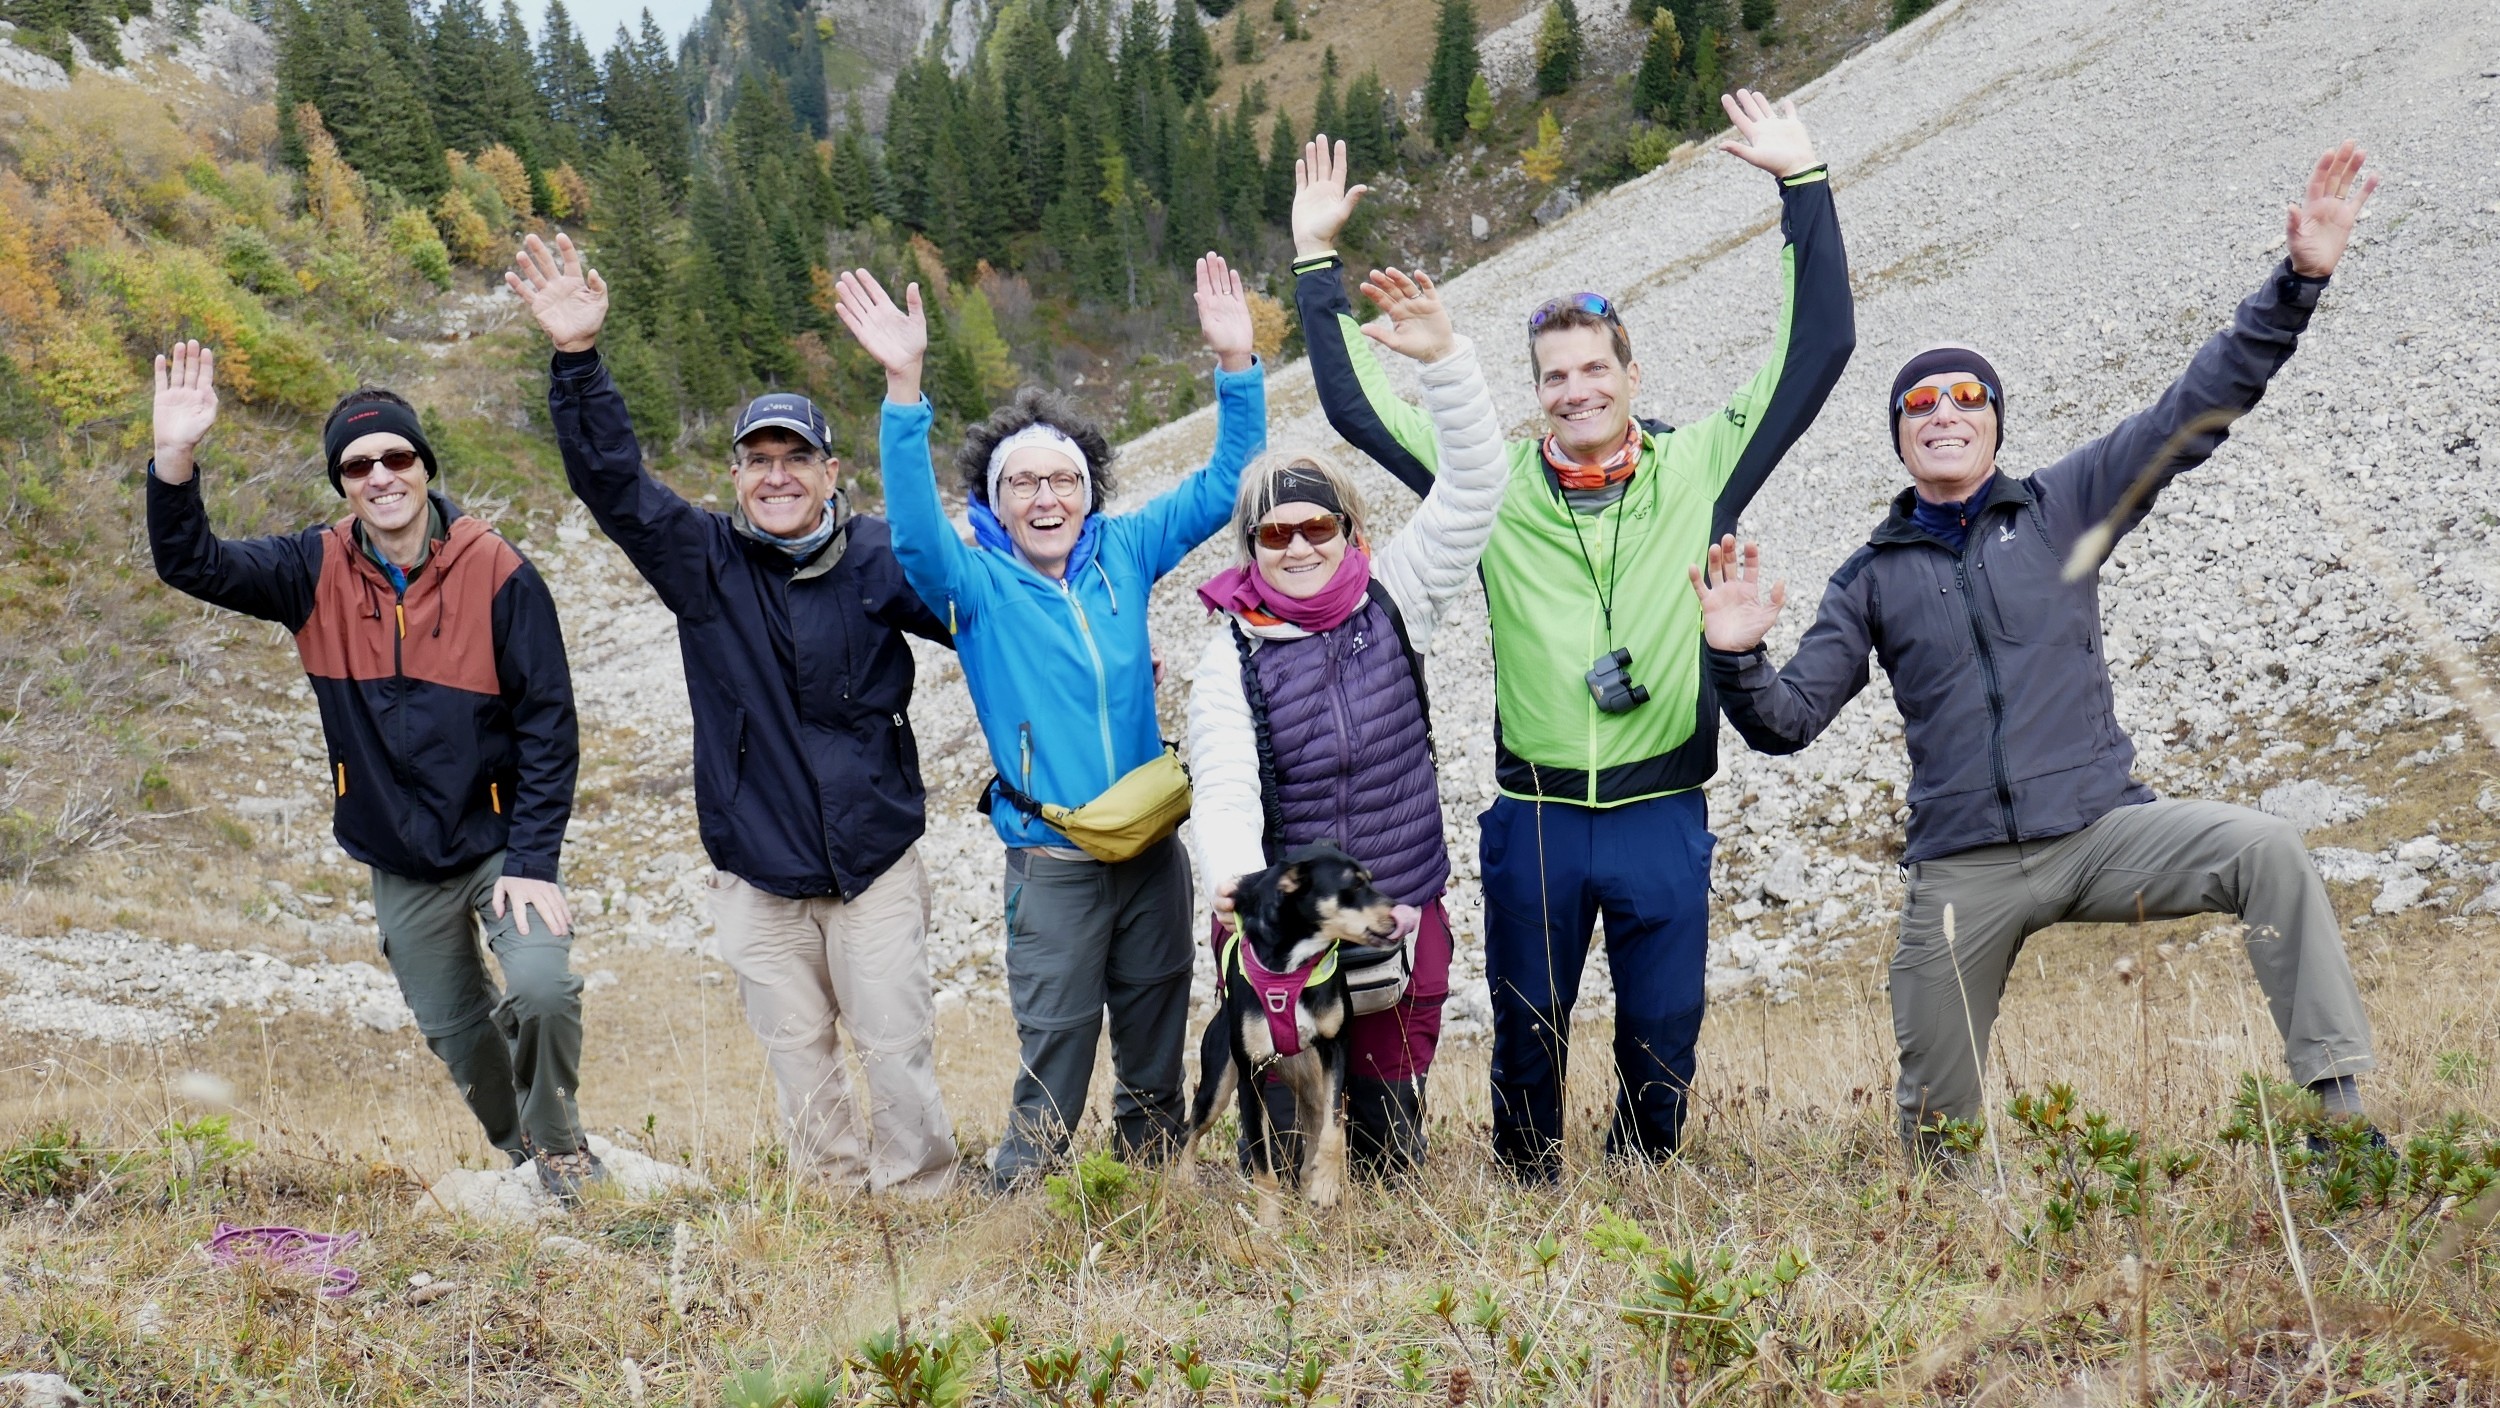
(2023, 809)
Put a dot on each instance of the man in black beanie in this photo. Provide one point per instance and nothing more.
(1980, 595)
(433, 649)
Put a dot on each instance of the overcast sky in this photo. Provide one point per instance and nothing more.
(597, 19)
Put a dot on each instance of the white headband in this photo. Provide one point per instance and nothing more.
(1052, 438)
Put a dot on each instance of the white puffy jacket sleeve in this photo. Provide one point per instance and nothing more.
(1226, 813)
(1433, 558)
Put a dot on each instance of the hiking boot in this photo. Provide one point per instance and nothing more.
(2321, 1147)
(565, 1175)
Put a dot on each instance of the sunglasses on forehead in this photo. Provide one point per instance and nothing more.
(396, 461)
(1923, 400)
(1595, 304)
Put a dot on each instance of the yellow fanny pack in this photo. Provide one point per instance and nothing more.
(1147, 804)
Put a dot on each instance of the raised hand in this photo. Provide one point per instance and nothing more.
(1224, 313)
(1322, 202)
(1413, 319)
(1769, 137)
(186, 406)
(566, 296)
(1735, 613)
(2319, 227)
(897, 335)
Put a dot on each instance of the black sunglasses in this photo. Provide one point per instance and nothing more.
(396, 461)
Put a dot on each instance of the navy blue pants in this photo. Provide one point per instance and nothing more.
(1549, 871)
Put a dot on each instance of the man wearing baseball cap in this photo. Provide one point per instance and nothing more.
(433, 651)
(1980, 593)
(791, 613)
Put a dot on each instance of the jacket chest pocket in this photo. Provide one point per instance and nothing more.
(2016, 575)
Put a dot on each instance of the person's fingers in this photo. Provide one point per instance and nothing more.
(2291, 220)
(2369, 187)
(1788, 109)
(162, 385)
(1698, 589)
(2319, 173)
(1378, 332)
(1424, 281)
(1779, 593)
(500, 892)
(598, 285)
(204, 368)
(911, 296)
(1735, 113)
(1301, 174)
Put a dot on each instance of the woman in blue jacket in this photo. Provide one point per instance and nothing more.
(1049, 615)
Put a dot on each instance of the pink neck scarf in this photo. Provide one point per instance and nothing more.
(1245, 592)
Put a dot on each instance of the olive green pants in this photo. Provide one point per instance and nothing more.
(514, 1051)
(2179, 858)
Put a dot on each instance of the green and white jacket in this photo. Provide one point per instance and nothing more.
(1545, 583)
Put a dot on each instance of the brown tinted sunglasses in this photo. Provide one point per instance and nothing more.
(396, 461)
(1276, 537)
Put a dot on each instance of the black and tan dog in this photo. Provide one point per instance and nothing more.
(1285, 1010)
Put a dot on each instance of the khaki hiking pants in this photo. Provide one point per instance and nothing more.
(2184, 858)
(808, 967)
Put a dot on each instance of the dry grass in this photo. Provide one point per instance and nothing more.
(1916, 1289)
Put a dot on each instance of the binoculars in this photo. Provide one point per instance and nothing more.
(1610, 682)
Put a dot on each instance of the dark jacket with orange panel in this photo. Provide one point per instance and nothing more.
(448, 705)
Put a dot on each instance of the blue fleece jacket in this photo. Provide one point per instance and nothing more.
(1062, 672)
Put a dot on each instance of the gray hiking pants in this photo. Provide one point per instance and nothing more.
(2183, 858)
(1084, 937)
(515, 1052)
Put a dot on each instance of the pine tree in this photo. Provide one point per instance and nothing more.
(1124, 202)
(854, 168)
(915, 111)
(1758, 15)
(1283, 150)
(1240, 176)
(1371, 134)
(1190, 222)
(1288, 15)
(1454, 68)
(1327, 114)
(1245, 40)
(521, 114)
(1031, 79)
(1642, 11)
(1658, 89)
(1543, 163)
(460, 61)
(331, 56)
(1146, 97)
(987, 220)
(1558, 48)
(1191, 57)
(1702, 99)
(1479, 105)
(568, 82)
(629, 222)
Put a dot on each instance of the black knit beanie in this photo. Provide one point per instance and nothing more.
(1944, 359)
(359, 419)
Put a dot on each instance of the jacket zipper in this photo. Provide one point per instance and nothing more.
(1102, 686)
(1345, 726)
(1996, 695)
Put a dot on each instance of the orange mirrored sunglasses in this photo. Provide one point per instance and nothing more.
(1923, 400)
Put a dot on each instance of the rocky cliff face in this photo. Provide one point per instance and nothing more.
(222, 49)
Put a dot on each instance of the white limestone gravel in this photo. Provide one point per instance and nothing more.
(2083, 190)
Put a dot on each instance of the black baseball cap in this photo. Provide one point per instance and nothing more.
(785, 410)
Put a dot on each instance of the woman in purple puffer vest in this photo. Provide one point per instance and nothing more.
(1308, 713)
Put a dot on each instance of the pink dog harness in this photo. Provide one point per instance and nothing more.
(1279, 993)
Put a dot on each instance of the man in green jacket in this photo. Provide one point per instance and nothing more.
(1605, 725)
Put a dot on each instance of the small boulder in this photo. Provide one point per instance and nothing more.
(1480, 227)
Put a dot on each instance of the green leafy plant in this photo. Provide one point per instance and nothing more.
(196, 1153)
(912, 1372)
(1098, 1193)
(1705, 1312)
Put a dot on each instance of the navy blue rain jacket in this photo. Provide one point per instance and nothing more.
(806, 776)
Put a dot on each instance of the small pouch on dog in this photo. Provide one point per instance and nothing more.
(1376, 977)
(1147, 804)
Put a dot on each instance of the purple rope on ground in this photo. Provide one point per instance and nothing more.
(288, 1249)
